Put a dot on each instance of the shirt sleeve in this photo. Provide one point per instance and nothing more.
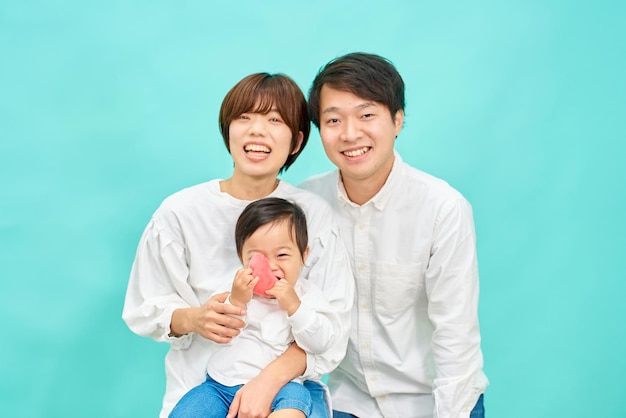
(312, 323)
(328, 268)
(452, 288)
(157, 286)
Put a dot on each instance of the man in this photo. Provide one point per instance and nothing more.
(414, 349)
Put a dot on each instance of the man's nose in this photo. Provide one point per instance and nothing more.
(350, 130)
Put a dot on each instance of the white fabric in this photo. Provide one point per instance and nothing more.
(269, 332)
(415, 320)
(187, 253)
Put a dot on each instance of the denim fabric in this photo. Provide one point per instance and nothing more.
(479, 409)
(319, 408)
(212, 400)
(477, 412)
(339, 414)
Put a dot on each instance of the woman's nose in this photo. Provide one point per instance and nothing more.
(258, 125)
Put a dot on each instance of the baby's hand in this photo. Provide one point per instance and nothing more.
(286, 295)
(241, 292)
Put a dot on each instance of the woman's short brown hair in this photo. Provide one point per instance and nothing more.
(262, 92)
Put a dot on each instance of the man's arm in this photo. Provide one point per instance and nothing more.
(452, 287)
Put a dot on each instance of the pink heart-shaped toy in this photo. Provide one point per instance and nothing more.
(260, 266)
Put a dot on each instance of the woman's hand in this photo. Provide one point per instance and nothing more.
(254, 399)
(213, 320)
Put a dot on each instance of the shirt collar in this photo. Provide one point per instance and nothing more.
(382, 197)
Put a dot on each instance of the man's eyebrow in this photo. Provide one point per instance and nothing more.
(360, 106)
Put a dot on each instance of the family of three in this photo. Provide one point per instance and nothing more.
(375, 265)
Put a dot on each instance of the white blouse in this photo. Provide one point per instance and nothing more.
(187, 253)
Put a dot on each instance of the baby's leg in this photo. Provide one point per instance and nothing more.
(209, 400)
(292, 401)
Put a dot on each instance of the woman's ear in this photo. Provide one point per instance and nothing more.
(298, 144)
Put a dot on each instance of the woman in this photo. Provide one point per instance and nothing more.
(187, 252)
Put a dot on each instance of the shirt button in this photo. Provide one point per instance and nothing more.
(361, 226)
(365, 305)
(361, 266)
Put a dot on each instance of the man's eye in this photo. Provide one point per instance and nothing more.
(332, 121)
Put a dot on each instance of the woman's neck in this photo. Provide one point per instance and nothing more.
(248, 188)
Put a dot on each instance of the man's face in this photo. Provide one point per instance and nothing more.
(358, 136)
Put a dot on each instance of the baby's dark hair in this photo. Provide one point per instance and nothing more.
(271, 210)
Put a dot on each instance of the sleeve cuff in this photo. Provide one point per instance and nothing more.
(302, 318)
(178, 343)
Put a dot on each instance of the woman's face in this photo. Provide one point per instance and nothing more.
(260, 143)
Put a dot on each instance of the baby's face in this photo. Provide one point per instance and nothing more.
(277, 243)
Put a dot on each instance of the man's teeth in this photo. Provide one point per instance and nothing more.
(356, 152)
(256, 148)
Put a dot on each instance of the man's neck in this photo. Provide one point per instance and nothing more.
(361, 191)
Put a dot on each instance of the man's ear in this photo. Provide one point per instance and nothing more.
(398, 121)
(299, 144)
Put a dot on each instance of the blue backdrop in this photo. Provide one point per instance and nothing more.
(108, 107)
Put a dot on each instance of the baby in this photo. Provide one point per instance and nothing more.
(273, 231)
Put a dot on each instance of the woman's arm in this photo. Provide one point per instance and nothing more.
(162, 305)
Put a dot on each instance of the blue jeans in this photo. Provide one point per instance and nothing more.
(212, 400)
(479, 409)
(319, 408)
(477, 412)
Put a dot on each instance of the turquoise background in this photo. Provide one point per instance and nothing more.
(108, 107)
